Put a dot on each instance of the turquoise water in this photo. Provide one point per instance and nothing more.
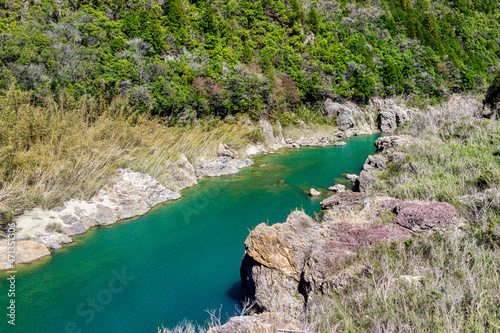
(179, 259)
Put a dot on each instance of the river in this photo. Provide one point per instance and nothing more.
(178, 260)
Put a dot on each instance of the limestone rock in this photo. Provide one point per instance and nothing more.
(275, 141)
(255, 149)
(132, 194)
(351, 118)
(27, 251)
(345, 119)
(340, 143)
(314, 193)
(353, 178)
(337, 188)
(220, 166)
(183, 173)
(390, 114)
(223, 150)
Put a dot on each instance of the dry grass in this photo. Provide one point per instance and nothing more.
(443, 283)
(315, 129)
(51, 152)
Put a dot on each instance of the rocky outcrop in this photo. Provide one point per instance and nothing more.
(274, 140)
(388, 142)
(183, 173)
(268, 322)
(374, 164)
(27, 251)
(390, 114)
(350, 118)
(221, 166)
(132, 195)
(287, 266)
(416, 217)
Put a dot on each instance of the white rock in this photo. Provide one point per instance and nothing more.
(337, 188)
(314, 193)
(353, 178)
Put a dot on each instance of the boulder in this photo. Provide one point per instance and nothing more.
(337, 188)
(353, 178)
(340, 143)
(183, 173)
(223, 150)
(27, 251)
(366, 181)
(314, 193)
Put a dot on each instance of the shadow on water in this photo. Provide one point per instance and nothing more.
(235, 291)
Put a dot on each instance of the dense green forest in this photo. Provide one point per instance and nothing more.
(187, 60)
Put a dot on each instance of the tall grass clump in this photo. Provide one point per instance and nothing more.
(442, 283)
(54, 151)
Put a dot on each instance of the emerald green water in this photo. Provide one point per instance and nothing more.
(179, 259)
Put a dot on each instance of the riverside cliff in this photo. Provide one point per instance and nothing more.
(293, 273)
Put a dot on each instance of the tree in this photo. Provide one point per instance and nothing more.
(492, 98)
(174, 12)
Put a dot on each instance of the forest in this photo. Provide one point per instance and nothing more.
(185, 60)
(87, 87)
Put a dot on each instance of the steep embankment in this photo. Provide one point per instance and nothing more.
(336, 272)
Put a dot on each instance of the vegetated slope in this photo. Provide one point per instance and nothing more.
(445, 281)
(215, 58)
(79, 79)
